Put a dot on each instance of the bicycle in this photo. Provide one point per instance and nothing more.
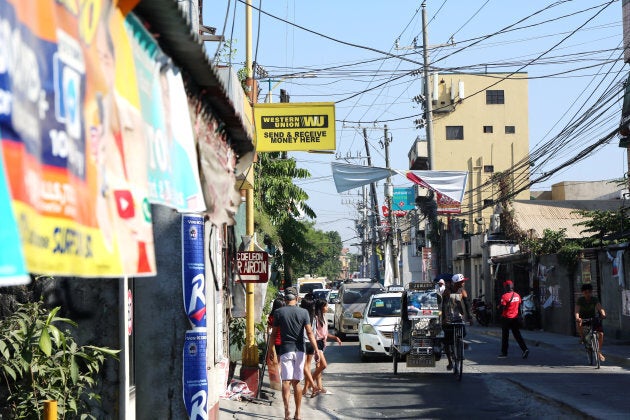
(591, 341)
(457, 349)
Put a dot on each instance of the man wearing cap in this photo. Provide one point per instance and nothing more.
(455, 308)
(292, 322)
(510, 302)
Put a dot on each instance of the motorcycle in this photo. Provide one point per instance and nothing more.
(480, 310)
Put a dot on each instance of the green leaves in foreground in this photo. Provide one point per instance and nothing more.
(39, 361)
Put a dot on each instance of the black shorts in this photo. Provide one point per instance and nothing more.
(320, 344)
(308, 348)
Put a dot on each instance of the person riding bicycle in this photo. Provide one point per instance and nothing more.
(455, 308)
(588, 306)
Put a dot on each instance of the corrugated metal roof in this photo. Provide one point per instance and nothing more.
(178, 41)
(555, 215)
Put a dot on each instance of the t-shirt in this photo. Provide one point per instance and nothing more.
(587, 308)
(510, 301)
(291, 320)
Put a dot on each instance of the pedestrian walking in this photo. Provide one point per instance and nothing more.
(322, 335)
(308, 303)
(273, 368)
(510, 303)
(293, 321)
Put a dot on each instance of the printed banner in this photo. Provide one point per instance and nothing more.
(193, 269)
(172, 158)
(195, 379)
(72, 130)
(12, 268)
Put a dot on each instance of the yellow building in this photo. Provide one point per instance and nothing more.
(480, 125)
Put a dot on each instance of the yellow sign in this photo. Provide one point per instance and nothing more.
(285, 127)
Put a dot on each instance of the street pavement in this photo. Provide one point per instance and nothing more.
(603, 397)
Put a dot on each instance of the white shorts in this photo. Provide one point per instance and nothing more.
(292, 366)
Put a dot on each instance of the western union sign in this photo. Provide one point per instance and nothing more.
(285, 127)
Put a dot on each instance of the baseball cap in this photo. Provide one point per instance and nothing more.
(508, 283)
(459, 277)
(290, 293)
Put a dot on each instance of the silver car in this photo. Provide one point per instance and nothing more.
(353, 298)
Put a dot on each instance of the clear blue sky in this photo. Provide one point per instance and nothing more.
(571, 51)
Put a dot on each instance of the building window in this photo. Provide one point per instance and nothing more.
(487, 129)
(488, 168)
(495, 97)
(510, 129)
(454, 132)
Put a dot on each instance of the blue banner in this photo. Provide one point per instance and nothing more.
(193, 275)
(404, 199)
(195, 382)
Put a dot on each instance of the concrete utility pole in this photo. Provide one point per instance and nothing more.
(428, 105)
(376, 218)
(389, 192)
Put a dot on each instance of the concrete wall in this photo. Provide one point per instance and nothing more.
(160, 325)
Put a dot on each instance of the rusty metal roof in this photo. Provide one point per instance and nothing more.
(555, 214)
(178, 41)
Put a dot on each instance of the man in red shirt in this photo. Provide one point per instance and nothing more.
(510, 302)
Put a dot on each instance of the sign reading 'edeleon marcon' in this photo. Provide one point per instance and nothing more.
(285, 127)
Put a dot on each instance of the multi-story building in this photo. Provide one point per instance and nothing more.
(480, 125)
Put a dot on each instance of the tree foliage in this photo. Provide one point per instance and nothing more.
(39, 361)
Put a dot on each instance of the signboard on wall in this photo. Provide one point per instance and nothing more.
(252, 266)
(285, 127)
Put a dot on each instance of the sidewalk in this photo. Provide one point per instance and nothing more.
(229, 409)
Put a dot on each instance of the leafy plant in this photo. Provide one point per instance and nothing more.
(40, 362)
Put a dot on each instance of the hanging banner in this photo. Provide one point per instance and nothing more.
(282, 127)
(195, 377)
(72, 130)
(404, 198)
(172, 158)
(348, 176)
(193, 269)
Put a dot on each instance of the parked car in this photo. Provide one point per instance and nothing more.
(353, 297)
(330, 313)
(376, 327)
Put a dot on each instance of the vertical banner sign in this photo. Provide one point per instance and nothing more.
(195, 381)
(193, 275)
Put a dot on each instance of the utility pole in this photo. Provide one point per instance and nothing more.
(376, 218)
(428, 105)
(249, 370)
(389, 192)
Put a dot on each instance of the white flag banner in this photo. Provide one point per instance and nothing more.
(449, 183)
(348, 176)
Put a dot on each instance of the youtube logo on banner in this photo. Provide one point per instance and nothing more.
(124, 204)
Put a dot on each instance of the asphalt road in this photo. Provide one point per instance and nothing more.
(553, 382)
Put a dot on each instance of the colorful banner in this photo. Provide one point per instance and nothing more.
(193, 269)
(404, 198)
(72, 130)
(172, 159)
(195, 378)
(12, 268)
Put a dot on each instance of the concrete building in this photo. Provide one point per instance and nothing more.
(480, 125)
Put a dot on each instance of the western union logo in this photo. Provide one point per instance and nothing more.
(281, 122)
